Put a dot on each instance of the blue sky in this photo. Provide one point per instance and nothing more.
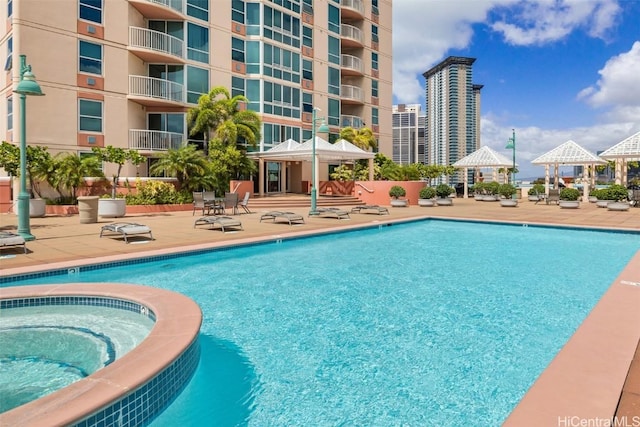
(553, 70)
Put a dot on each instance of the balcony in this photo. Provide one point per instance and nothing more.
(160, 9)
(351, 94)
(351, 121)
(153, 92)
(351, 36)
(155, 46)
(351, 65)
(352, 9)
(145, 140)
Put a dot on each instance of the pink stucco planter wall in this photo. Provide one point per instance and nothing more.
(377, 192)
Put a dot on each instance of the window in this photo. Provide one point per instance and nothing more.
(9, 113)
(307, 6)
(167, 122)
(333, 116)
(374, 7)
(293, 5)
(253, 94)
(9, 8)
(90, 57)
(374, 116)
(9, 62)
(197, 83)
(237, 86)
(252, 58)
(281, 100)
(334, 19)
(253, 19)
(374, 88)
(374, 60)
(281, 27)
(374, 33)
(307, 102)
(90, 115)
(334, 50)
(237, 49)
(275, 134)
(197, 43)
(281, 63)
(307, 36)
(237, 11)
(198, 9)
(91, 10)
(307, 69)
(334, 81)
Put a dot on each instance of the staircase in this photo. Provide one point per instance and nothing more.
(301, 201)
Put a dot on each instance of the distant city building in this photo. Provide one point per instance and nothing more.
(452, 126)
(408, 134)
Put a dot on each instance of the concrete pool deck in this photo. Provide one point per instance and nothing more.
(603, 354)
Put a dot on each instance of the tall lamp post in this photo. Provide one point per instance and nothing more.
(26, 86)
(511, 145)
(314, 181)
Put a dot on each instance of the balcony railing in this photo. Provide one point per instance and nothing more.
(348, 92)
(351, 121)
(151, 87)
(352, 63)
(154, 140)
(353, 5)
(156, 41)
(352, 33)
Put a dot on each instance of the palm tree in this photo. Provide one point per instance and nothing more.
(362, 138)
(187, 164)
(71, 170)
(219, 113)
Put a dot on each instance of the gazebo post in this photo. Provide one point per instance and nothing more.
(546, 179)
(585, 183)
(466, 182)
(261, 177)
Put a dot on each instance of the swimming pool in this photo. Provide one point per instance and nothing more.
(435, 322)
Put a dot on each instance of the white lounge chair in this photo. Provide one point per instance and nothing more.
(9, 239)
(379, 210)
(333, 213)
(222, 221)
(291, 217)
(126, 229)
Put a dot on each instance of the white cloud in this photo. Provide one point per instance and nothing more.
(619, 83)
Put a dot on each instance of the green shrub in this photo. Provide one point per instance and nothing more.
(443, 190)
(493, 188)
(479, 188)
(536, 189)
(569, 194)
(427, 193)
(617, 192)
(158, 193)
(397, 191)
(507, 190)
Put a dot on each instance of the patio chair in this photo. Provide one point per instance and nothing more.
(199, 203)
(9, 239)
(231, 202)
(333, 213)
(223, 222)
(244, 203)
(540, 197)
(290, 217)
(554, 196)
(126, 229)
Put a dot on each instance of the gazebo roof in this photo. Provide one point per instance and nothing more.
(569, 153)
(291, 150)
(627, 148)
(485, 157)
(287, 145)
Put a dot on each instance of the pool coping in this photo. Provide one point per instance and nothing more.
(577, 394)
(178, 320)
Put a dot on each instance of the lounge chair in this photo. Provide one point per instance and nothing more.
(333, 213)
(126, 229)
(9, 239)
(291, 217)
(554, 196)
(379, 210)
(222, 221)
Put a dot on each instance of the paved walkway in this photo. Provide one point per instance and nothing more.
(61, 239)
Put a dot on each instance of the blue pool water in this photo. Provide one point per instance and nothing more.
(429, 323)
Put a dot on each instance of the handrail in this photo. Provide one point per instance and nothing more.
(368, 190)
(235, 190)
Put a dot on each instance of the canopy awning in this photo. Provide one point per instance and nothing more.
(485, 157)
(569, 153)
(291, 150)
(629, 149)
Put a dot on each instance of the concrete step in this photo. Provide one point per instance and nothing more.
(273, 202)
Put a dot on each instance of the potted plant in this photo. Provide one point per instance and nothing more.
(492, 192)
(478, 191)
(619, 196)
(536, 192)
(427, 196)
(396, 192)
(443, 191)
(507, 191)
(593, 195)
(114, 207)
(569, 198)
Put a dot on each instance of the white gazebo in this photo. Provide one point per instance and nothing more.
(623, 152)
(485, 157)
(291, 150)
(568, 154)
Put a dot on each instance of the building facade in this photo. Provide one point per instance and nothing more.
(408, 134)
(125, 72)
(452, 113)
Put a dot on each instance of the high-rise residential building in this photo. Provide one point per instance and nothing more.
(125, 72)
(408, 134)
(452, 113)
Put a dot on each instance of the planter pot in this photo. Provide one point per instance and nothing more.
(593, 199)
(603, 203)
(112, 208)
(478, 197)
(490, 198)
(534, 198)
(426, 202)
(37, 208)
(569, 204)
(399, 203)
(618, 206)
(445, 202)
(509, 203)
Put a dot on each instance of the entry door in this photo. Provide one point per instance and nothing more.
(273, 177)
